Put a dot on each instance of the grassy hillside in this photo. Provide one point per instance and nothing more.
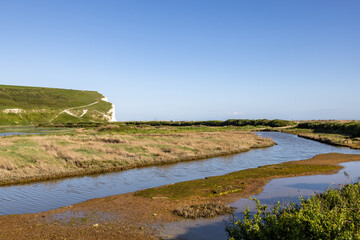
(34, 105)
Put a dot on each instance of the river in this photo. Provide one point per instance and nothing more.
(285, 190)
(43, 196)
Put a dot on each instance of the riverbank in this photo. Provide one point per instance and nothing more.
(43, 157)
(136, 215)
(341, 140)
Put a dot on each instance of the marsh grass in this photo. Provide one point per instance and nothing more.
(35, 157)
(235, 182)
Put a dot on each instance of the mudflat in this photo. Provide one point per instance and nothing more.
(136, 215)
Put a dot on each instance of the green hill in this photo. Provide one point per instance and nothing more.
(33, 105)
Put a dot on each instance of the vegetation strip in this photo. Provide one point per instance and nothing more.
(240, 181)
(209, 123)
(43, 157)
(336, 139)
(348, 128)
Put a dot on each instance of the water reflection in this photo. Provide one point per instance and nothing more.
(285, 190)
(10, 134)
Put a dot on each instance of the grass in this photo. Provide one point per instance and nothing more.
(206, 210)
(351, 128)
(329, 138)
(37, 97)
(240, 181)
(41, 105)
(123, 128)
(239, 184)
(46, 156)
(247, 124)
(217, 123)
(234, 182)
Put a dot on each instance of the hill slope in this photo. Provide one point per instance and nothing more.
(34, 105)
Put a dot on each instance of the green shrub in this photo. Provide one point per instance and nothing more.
(334, 214)
(210, 123)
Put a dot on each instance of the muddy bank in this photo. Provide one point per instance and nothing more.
(133, 215)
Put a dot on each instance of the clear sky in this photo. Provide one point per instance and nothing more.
(191, 59)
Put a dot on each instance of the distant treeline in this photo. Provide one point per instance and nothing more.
(350, 128)
(211, 123)
(217, 123)
(73, 125)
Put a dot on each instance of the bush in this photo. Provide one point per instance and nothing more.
(217, 123)
(73, 125)
(210, 123)
(331, 215)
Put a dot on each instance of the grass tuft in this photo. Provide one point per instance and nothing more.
(207, 210)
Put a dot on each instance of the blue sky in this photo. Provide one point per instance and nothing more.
(191, 59)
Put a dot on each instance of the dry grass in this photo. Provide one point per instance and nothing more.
(40, 157)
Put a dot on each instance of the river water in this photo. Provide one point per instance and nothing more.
(43, 196)
(11, 133)
(285, 190)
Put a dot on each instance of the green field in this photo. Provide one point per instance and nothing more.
(34, 105)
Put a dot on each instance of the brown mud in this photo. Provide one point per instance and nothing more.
(130, 216)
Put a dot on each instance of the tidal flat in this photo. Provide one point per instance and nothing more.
(134, 215)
